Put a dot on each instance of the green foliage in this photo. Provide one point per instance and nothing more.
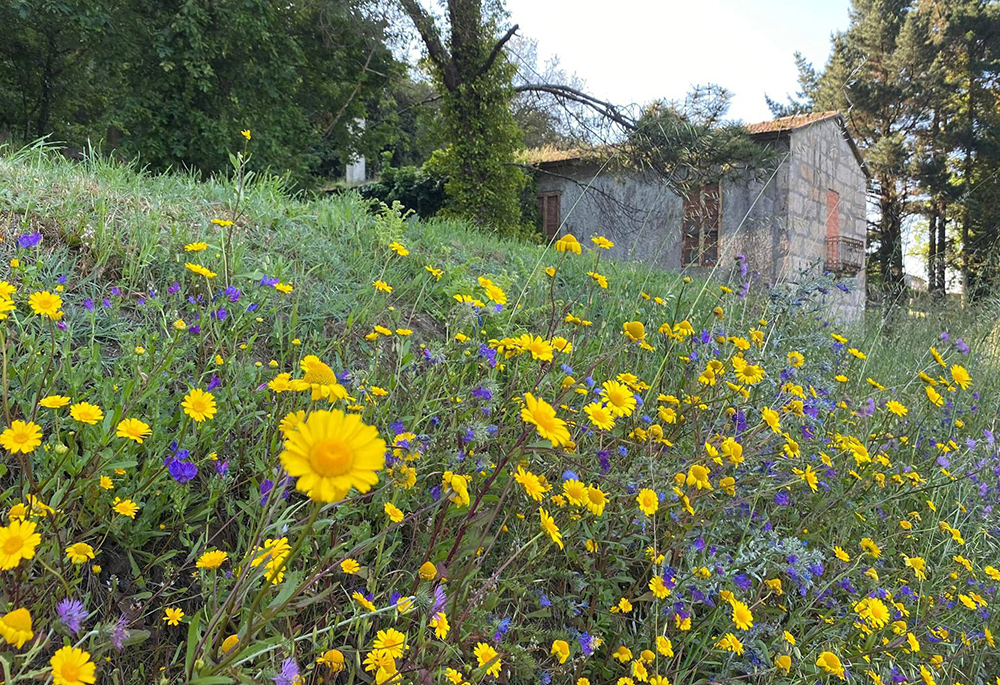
(418, 188)
(483, 184)
(172, 82)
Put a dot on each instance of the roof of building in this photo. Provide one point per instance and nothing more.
(782, 126)
(789, 123)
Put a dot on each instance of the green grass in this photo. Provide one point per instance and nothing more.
(111, 231)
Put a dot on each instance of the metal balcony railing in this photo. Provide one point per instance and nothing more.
(845, 256)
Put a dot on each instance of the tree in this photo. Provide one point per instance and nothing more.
(866, 80)
(474, 76)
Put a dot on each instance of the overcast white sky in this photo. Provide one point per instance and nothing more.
(635, 51)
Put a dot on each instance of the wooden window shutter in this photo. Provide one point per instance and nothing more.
(700, 227)
(549, 210)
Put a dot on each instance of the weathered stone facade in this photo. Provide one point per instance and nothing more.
(780, 222)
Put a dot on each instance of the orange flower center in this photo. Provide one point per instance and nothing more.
(13, 544)
(331, 458)
(70, 672)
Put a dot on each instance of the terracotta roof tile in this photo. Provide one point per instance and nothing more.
(789, 123)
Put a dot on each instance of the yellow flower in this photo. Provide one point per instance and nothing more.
(106, 483)
(784, 662)
(841, 554)
(54, 401)
(363, 601)
(199, 405)
(230, 642)
(742, 616)
(382, 286)
(602, 242)
(596, 500)
(173, 615)
(560, 650)
(634, 330)
(540, 413)
(648, 501)
(21, 437)
(125, 507)
(72, 666)
(224, 223)
(439, 622)
(619, 399)
(600, 416)
(392, 641)
(46, 304)
(896, 408)
(698, 476)
(320, 379)
(830, 663)
(568, 243)
(550, 527)
(393, 512)
(918, 565)
(398, 248)
(350, 566)
(133, 429)
(179, 325)
(796, 359)
(212, 560)
(330, 453)
(730, 643)
(771, 419)
(80, 553)
(200, 270)
(195, 247)
(961, 376)
(332, 659)
(15, 627)
(245, 133)
(17, 541)
(284, 288)
(488, 658)
(428, 571)
(934, 396)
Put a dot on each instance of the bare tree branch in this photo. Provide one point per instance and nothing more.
(498, 47)
(605, 109)
(432, 40)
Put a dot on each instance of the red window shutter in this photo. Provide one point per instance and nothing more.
(549, 210)
(700, 227)
(832, 227)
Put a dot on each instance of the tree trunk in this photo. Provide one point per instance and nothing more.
(932, 250)
(942, 246)
(890, 252)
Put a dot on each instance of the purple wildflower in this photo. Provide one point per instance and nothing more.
(72, 614)
(29, 239)
(88, 304)
(289, 673)
(120, 633)
(174, 288)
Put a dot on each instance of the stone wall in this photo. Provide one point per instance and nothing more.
(821, 160)
(641, 216)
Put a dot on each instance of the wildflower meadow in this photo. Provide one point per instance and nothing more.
(254, 438)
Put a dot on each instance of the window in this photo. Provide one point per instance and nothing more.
(548, 209)
(700, 227)
(832, 214)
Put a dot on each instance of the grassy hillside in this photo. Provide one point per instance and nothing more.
(230, 457)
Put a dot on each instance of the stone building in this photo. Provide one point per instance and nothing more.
(803, 218)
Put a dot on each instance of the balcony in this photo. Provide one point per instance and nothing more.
(844, 256)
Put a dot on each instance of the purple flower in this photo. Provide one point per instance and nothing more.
(116, 291)
(182, 471)
(29, 239)
(233, 293)
(120, 633)
(222, 468)
(268, 282)
(482, 393)
(174, 288)
(214, 383)
(220, 314)
(194, 329)
(72, 614)
(289, 673)
(962, 347)
(106, 302)
(440, 599)
(88, 304)
(265, 490)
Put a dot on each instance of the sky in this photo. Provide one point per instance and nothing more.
(635, 51)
